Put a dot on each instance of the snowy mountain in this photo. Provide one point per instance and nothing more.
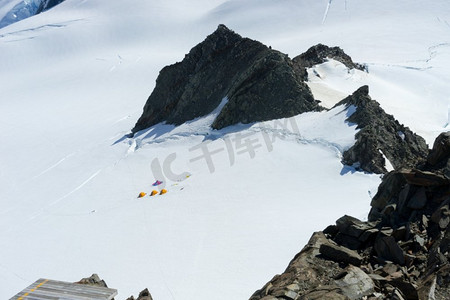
(74, 82)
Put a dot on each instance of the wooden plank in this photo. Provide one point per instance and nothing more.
(45, 289)
(76, 288)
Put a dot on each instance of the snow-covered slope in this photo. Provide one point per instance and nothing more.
(74, 81)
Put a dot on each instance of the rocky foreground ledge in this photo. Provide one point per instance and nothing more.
(402, 252)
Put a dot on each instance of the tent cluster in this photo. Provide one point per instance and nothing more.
(154, 192)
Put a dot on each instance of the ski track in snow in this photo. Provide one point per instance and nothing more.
(325, 15)
(54, 165)
(122, 119)
(42, 210)
(14, 273)
(77, 188)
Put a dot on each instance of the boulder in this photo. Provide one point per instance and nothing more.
(418, 200)
(425, 178)
(387, 248)
(355, 284)
(390, 187)
(324, 293)
(351, 226)
(441, 149)
(442, 216)
(388, 193)
(340, 254)
(355, 228)
(427, 288)
(408, 289)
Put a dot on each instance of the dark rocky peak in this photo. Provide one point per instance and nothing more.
(319, 54)
(259, 83)
(380, 134)
(47, 4)
(439, 157)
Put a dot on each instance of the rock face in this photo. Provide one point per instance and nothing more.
(439, 157)
(318, 54)
(47, 4)
(380, 134)
(402, 252)
(94, 280)
(144, 295)
(260, 84)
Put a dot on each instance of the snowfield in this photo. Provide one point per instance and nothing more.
(242, 201)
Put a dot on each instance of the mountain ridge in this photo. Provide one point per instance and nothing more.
(260, 84)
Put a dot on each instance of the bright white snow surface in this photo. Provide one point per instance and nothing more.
(73, 83)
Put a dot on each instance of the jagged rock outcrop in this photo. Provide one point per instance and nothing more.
(379, 133)
(439, 157)
(93, 280)
(319, 54)
(144, 295)
(260, 84)
(47, 4)
(402, 252)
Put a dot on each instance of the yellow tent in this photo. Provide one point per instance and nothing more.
(163, 191)
(153, 193)
(142, 194)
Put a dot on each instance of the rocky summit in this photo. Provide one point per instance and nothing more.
(402, 251)
(380, 136)
(260, 84)
(319, 54)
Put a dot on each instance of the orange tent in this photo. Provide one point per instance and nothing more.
(153, 193)
(142, 194)
(163, 191)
